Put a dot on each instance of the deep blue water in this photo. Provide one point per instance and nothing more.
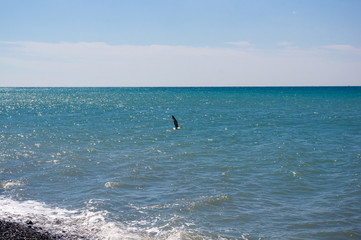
(248, 163)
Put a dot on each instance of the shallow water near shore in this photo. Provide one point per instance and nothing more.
(248, 163)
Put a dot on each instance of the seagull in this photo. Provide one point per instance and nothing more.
(176, 126)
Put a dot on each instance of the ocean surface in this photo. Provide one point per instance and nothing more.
(248, 163)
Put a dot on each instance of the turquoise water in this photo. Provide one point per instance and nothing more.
(248, 163)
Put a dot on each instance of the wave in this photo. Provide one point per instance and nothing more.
(87, 223)
(75, 223)
(10, 183)
(124, 185)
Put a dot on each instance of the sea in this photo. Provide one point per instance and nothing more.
(249, 162)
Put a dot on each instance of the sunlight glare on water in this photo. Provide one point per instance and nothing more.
(248, 163)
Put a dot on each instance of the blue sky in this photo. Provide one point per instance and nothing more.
(180, 43)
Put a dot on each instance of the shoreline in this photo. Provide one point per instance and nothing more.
(15, 230)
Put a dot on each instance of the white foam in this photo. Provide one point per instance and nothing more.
(10, 183)
(119, 184)
(91, 225)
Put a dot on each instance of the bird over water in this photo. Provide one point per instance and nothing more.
(176, 126)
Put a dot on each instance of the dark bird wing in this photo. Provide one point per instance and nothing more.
(175, 122)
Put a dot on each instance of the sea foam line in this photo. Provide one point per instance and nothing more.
(73, 223)
(85, 224)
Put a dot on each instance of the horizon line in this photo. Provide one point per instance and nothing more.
(265, 86)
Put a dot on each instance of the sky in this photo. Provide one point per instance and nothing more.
(121, 43)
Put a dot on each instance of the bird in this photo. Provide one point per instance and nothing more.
(176, 126)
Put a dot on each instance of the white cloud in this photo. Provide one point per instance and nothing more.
(239, 44)
(344, 48)
(100, 64)
(285, 44)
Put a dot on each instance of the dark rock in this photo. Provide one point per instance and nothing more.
(29, 222)
(10, 230)
(17, 231)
